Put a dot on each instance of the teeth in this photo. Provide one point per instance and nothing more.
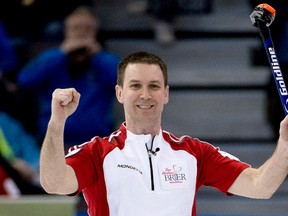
(144, 106)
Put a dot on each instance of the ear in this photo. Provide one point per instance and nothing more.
(166, 94)
(118, 90)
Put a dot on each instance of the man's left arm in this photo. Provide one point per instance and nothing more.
(265, 180)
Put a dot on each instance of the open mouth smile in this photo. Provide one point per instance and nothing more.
(146, 107)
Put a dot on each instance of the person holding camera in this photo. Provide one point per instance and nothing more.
(79, 61)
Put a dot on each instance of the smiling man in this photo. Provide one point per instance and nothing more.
(142, 169)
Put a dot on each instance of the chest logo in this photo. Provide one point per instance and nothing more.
(174, 175)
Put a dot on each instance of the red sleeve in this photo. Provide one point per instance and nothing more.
(87, 162)
(84, 165)
(218, 169)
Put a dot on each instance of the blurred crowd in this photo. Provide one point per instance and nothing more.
(72, 56)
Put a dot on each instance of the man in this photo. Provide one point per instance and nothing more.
(141, 169)
(82, 62)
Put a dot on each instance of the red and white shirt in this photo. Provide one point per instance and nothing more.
(127, 174)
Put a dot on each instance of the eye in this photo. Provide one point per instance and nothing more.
(155, 86)
(135, 86)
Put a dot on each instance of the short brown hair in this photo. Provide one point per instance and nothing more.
(141, 57)
(84, 11)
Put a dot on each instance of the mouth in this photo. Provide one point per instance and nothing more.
(145, 107)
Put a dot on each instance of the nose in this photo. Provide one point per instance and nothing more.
(145, 94)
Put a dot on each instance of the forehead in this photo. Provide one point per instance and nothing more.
(80, 20)
(143, 72)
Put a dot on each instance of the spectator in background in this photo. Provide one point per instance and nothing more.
(81, 62)
(19, 151)
(30, 21)
(164, 12)
(19, 162)
(7, 185)
(23, 145)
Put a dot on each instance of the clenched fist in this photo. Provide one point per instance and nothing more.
(64, 103)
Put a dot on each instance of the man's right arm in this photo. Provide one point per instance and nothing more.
(55, 175)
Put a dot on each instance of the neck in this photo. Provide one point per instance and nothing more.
(149, 128)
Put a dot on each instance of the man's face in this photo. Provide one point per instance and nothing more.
(80, 27)
(143, 94)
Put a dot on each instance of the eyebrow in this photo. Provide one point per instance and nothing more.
(134, 81)
(137, 81)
